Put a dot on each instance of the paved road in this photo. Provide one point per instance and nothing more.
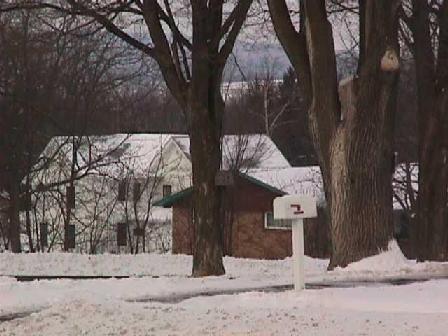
(176, 298)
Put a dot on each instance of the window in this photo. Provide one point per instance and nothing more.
(166, 190)
(271, 223)
(71, 195)
(137, 191)
(123, 190)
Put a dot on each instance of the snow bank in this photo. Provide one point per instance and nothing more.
(388, 261)
(57, 264)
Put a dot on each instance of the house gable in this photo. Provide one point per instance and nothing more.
(242, 180)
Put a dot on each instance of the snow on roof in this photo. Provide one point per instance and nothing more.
(293, 180)
(107, 153)
(140, 150)
(245, 151)
(183, 142)
(308, 181)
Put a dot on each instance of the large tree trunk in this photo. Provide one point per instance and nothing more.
(431, 232)
(361, 159)
(354, 142)
(359, 139)
(205, 139)
(206, 159)
(361, 175)
(432, 227)
(431, 236)
(205, 114)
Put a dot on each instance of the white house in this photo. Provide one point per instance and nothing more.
(116, 178)
(97, 182)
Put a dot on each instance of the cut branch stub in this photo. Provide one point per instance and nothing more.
(390, 61)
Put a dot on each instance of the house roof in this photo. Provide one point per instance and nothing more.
(138, 151)
(245, 151)
(293, 180)
(262, 184)
(110, 153)
(172, 199)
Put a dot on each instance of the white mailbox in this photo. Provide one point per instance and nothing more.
(296, 208)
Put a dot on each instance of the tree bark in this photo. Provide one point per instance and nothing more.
(362, 146)
(206, 159)
(431, 232)
(354, 141)
(432, 226)
(205, 116)
(361, 177)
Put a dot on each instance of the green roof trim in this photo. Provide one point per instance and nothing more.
(170, 200)
(262, 184)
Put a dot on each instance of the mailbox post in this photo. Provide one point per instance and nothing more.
(296, 208)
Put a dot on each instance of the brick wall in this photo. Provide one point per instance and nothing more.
(248, 237)
(252, 240)
(182, 232)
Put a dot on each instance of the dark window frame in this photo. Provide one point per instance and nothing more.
(269, 222)
(166, 193)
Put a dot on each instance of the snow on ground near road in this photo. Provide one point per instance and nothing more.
(417, 309)
(390, 263)
(117, 307)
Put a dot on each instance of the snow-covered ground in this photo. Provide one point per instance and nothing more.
(161, 298)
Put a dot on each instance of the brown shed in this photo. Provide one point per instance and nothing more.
(249, 230)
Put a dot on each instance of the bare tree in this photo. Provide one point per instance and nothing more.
(53, 81)
(424, 28)
(273, 107)
(261, 99)
(25, 59)
(352, 129)
(192, 62)
(405, 187)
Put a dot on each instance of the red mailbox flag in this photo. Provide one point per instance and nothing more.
(298, 210)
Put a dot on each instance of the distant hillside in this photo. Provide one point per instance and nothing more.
(252, 59)
(256, 59)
